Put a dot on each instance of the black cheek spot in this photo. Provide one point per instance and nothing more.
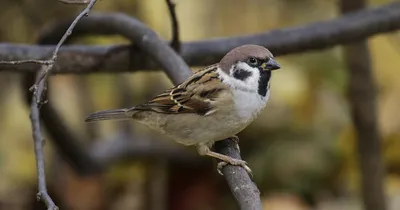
(241, 74)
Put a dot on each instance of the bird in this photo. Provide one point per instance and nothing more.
(213, 104)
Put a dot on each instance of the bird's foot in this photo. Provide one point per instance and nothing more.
(225, 160)
(234, 162)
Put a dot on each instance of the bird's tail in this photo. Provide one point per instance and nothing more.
(115, 114)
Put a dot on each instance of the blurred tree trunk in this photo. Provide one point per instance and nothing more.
(362, 95)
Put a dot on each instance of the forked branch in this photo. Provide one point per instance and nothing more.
(44, 74)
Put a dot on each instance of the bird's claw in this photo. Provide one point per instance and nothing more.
(220, 165)
(234, 162)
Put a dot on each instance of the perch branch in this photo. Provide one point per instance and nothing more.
(242, 187)
(315, 36)
(362, 99)
(38, 139)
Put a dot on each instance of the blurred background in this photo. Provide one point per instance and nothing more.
(301, 149)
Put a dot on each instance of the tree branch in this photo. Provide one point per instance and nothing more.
(316, 36)
(36, 102)
(49, 67)
(38, 139)
(175, 41)
(362, 99)
(147, 42)
(242, 187)
(67, 144)
(74, 1)
(46, 63)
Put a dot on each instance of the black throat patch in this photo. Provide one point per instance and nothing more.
(241, 74)
(265, 76)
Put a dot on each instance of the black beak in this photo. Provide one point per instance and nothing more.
(272, 65)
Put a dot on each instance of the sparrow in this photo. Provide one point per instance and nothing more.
(213, 104)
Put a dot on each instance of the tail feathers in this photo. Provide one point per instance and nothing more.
(115, 114)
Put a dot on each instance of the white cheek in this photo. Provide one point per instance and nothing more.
(248, 103)
(250, 84)
(252, 81)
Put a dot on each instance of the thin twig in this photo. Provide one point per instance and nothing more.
(65, 141)
(41, 62)
(175, 41)
(53, 59)
(74, 1)
(38, 139)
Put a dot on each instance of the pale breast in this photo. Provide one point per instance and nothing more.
(248, 104)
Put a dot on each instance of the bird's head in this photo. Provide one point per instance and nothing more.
(249, 67)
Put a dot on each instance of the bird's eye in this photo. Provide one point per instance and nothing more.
(253, 61)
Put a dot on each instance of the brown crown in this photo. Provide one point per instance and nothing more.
(242, 53)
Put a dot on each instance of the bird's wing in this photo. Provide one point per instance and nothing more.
(197, 94)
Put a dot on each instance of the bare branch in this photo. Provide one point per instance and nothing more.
(65, 141)
(74, 1)
(53, 59)
(147, 42)
(242, 187)
(46, 63)
(36, 102)
(175, 41)
(38, 142)
(316, 36)
(362, 99)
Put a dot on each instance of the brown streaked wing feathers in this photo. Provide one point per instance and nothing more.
(195, 95)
